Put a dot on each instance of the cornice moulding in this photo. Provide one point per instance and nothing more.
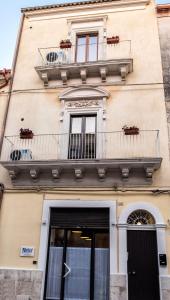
(40, 11)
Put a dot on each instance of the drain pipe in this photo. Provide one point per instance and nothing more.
(11, 82)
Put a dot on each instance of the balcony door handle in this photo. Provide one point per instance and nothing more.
(68, 272)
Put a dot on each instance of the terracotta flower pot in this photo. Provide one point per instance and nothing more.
(113, 40)
(65, 44)
(26, 134)
(131, 131)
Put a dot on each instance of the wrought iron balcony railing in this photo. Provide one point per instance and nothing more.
(96, 60)
(53, 56)
(90, 146)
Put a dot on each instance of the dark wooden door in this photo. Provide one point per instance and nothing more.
(143, 277)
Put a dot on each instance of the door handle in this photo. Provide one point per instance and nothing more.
(68, 272)
(132, 273)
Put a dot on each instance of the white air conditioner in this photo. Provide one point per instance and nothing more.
(21, 154)
(58, 57)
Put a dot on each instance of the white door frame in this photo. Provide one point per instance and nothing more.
(160, 228)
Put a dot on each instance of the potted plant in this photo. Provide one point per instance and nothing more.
(132, 130)
(113, 40)
(26, 134)
(65, 44)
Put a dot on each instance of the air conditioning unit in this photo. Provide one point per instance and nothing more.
(58, 57)
(21, 154)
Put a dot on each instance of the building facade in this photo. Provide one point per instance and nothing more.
(86, 212)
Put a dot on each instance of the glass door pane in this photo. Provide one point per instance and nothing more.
(76, 124)
(54, 272)
(101, 273)
(76, 138)
(93, 48)
(81, 49)
(90, 137)
(78, 258)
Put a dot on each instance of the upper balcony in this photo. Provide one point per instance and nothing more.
(82, 61)
(93, 159)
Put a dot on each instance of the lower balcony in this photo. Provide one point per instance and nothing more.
(105, 159)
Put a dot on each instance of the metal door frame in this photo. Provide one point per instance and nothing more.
(92, 262)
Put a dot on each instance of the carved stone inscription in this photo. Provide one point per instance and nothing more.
(82, 103)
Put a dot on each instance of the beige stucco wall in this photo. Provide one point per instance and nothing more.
(20, 219)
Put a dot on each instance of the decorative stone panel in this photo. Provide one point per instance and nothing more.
(20, 284)
(118, 287)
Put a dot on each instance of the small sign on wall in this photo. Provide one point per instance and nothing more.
(27, 251)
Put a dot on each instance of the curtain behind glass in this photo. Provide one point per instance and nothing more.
(101, 276)
(54, 273)
(77, 283)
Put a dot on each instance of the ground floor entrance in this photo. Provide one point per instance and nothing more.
(78, 255)
(143, 275)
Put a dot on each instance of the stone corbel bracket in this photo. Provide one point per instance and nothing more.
(123, 72)
(103, 73)
(149, 172)
(64, 76)
(125, 173)
(34, 173)
(101, 173)
(83, 74)
(13, 174)
(44, 77)
(56, 173)
(78, 172)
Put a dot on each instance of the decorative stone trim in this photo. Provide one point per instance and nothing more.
(82, 103)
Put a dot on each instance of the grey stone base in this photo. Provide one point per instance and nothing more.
(20, 284)
(118, 288)
(165, 287)
(27, 285)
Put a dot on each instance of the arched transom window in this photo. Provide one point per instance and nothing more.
(140, 217)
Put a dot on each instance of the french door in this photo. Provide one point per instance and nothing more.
(87, 47)
(143, 276)
(82, 138)
(78, 263)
